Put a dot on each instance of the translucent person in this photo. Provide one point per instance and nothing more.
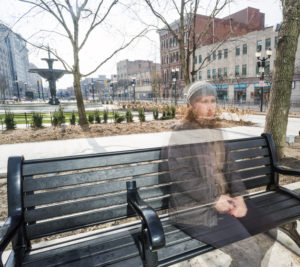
(200, 175)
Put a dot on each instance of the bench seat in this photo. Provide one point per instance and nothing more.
(119, 247)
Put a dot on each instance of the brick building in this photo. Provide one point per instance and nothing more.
(239, 23)
(144, 75)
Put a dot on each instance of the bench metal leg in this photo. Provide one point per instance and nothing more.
(291, 230)
(150, 258)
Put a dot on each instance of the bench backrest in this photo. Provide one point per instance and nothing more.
(63, 194)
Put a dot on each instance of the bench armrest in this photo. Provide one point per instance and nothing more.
(8, 230)
(150, 220)
(286, 171)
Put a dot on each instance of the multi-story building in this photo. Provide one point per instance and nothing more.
(137, 77)
(239, 23)
(233, 67)
(94, 88)
(15, 65)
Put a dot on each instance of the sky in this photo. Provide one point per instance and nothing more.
(126, 20)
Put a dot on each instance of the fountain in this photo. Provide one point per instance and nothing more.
(51, 75)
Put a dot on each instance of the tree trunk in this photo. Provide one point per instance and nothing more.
(77, 77)
(279, 105)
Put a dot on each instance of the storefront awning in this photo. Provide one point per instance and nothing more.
(259, 84)
(220, 86)
(240, 86)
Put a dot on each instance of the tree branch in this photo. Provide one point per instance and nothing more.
(94, 25)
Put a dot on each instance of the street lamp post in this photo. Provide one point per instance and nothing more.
(25, 84)
(174, 79)
(93, 90)
(17, 84)
(133, 86)
(42, 90)
(86, 96)
(261, 67)
(38, 86)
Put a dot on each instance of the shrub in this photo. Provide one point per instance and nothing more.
(117, 117)
(37, 120)
(58, 117)
(111, 102)
(73, 118)
(141, 114)
(173, 111)
(97, 116)
(9, 120)
(91, 118)
(128, 115)
(105, 115)
(167, 113)
(155, 113)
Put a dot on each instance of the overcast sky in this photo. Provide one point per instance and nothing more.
(125, 21)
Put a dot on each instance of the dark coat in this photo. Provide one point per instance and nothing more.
(198, 174)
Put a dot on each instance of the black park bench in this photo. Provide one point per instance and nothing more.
(47, 197)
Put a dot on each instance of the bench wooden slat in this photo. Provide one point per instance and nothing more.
(33, 167)
(244, 144)
(97, 189)
(94, 176)
(257, 182)
(83, 220)
(249, 153)
(253, 172)
(245, 164)
(181, 248)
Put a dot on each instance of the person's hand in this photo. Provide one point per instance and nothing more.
(240, 208)
(224, 204)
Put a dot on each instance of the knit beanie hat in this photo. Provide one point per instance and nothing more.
(199, 88)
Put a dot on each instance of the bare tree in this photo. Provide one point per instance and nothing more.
(187, 37)
(280, 97)
(70, 15)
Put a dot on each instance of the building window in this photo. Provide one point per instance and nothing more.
(268, 43)
(200, 75)
(225, 53)
(275, 42)
(259, 46)
(208, 74)
(244, 69)
(176, 56)
(267, 66)
(220, 54)
(214, 73)
(214, 55)
(244, 49)
(208, 58)
(237, 70)
(225, 71)
(219, 72)
(200, 59)
(195, 59)
(237, 51)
